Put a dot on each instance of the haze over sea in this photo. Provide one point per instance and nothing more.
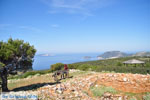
(44, 62)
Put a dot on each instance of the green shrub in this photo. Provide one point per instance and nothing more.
(119, 64)
(147, 64)
(93, 68)
(71, 66)
(1, 65)
(57, 66)
(146, 97)
(100, 90)
(84, 67)
(132, 99)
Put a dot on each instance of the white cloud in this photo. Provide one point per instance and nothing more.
(11, 26)
(83, 7)
(3, 26)
(30, 28)
(55, 26)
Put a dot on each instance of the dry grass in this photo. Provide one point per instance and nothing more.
(47, 78)
(31, 80)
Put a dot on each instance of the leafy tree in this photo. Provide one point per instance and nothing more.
(14, 55)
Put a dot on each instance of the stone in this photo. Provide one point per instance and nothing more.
(125, 79)
(120, 98)
(36, 75)
(107, 95)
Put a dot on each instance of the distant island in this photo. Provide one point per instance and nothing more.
(87, 57)
(112, 54)
(118, 54)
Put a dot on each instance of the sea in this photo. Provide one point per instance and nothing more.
(45, 62)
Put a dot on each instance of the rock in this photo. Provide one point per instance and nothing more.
(72, 90)
(107, 95)
(30, 76)
(36, 75)
(110, 75)
(120, 98)
(115, 75)
(125, 98)
(60, 90)
(125, 79)
(63, 97)
(91, 85)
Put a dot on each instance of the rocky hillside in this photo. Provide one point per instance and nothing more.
(88, 86)
(113, 54)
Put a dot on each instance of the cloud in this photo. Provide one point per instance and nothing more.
(82, 7)
(30, 28)
(24, 28)
(3, 26)
(55, 26)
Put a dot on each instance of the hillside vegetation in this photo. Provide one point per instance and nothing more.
(115, 65)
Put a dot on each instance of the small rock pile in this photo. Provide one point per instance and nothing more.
(135, 83)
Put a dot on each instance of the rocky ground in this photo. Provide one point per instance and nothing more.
(95, 86)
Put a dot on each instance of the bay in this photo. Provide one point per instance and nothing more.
(45, 62)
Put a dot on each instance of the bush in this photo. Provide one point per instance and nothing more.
(146, 97)
(1, 65)
(93, 68)
(132, 99)
(147, 65)
(57, 66)
(100, 90)
(119, 64)
(84, 67)
(71, 66)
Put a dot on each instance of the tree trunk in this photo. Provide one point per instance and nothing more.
(4, 80)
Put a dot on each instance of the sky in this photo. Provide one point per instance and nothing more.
(77, 26)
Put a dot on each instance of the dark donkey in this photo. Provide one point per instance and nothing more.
(62, 73)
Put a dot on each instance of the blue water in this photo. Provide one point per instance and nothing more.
(44, 62)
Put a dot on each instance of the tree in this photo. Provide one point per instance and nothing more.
(14, 55)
